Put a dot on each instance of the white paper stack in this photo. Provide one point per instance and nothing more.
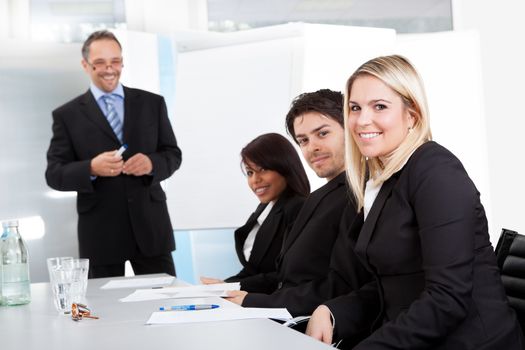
(138, 282)
(198, 291)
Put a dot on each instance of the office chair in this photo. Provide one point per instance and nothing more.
(510, 254)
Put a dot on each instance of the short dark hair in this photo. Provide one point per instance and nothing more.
(98, 35)
(325, 101)
(274, 152)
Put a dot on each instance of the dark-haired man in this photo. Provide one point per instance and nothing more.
(122, 212)
(304, 278)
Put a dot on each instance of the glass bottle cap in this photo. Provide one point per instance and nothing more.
(10, 223)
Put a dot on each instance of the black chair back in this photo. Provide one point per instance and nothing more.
(510, 253)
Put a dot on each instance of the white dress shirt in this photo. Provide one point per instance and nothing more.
(371, 193)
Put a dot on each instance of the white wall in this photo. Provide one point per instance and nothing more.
(166, 16)
(450, 66)
(36, 78)
(501, 30)
(141, 60)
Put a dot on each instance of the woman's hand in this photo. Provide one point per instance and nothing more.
(320, 325)
(210, 280)
(236, 296)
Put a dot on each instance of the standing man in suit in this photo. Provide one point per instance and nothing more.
(315, 121)
(122, 212)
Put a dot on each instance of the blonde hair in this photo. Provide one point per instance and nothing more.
(400, 75)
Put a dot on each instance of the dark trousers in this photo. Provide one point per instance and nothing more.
(142, 265)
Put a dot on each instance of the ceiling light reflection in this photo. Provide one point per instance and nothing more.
(60, 194)
(32, 227)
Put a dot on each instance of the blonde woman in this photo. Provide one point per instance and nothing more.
(424, 232)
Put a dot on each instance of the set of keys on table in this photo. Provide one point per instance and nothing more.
(80, 311)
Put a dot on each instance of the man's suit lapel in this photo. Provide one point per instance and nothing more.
(370, 223)
(308, 209)
(92, 111)
(130, 112)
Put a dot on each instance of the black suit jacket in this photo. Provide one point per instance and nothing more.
(269, 238)
(307, 247)
(426, 241)
(116, 214)
(344, 275)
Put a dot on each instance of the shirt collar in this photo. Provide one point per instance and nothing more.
(97, 93)
(265, 212)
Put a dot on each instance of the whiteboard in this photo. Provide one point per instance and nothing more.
(225, 97)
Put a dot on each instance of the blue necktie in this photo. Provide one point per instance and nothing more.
(112, 116)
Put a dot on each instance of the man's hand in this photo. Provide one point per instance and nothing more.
(320, 325)
(106, 164)
(236, 296)
(210, 280)
(138, 165)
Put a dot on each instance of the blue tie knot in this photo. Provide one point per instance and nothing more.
(108, 99)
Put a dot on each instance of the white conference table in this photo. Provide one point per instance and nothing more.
(37, 326)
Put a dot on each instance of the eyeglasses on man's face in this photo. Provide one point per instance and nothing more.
(99, 64)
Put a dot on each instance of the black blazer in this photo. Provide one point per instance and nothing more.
(426, 241)
(115, 214)
(345, 274)
(269, 239)
(307, 246)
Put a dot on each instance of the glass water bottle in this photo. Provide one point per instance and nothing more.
(14, 269)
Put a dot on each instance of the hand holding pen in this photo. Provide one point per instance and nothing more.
(108, 164)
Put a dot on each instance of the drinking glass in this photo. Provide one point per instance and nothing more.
(68, 280)
(79, 269)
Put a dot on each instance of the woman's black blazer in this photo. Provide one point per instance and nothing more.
(426, 242)
(269, 239)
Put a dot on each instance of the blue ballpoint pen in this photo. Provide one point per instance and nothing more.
(188, 307)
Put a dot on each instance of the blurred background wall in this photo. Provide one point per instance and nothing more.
(228, 70)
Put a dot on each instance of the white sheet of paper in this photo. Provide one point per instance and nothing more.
(138, 282)
(219, 314)
(198, 291)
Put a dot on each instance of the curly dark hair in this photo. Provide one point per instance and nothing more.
(98, 35)
(274, 152)
(325, 101)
